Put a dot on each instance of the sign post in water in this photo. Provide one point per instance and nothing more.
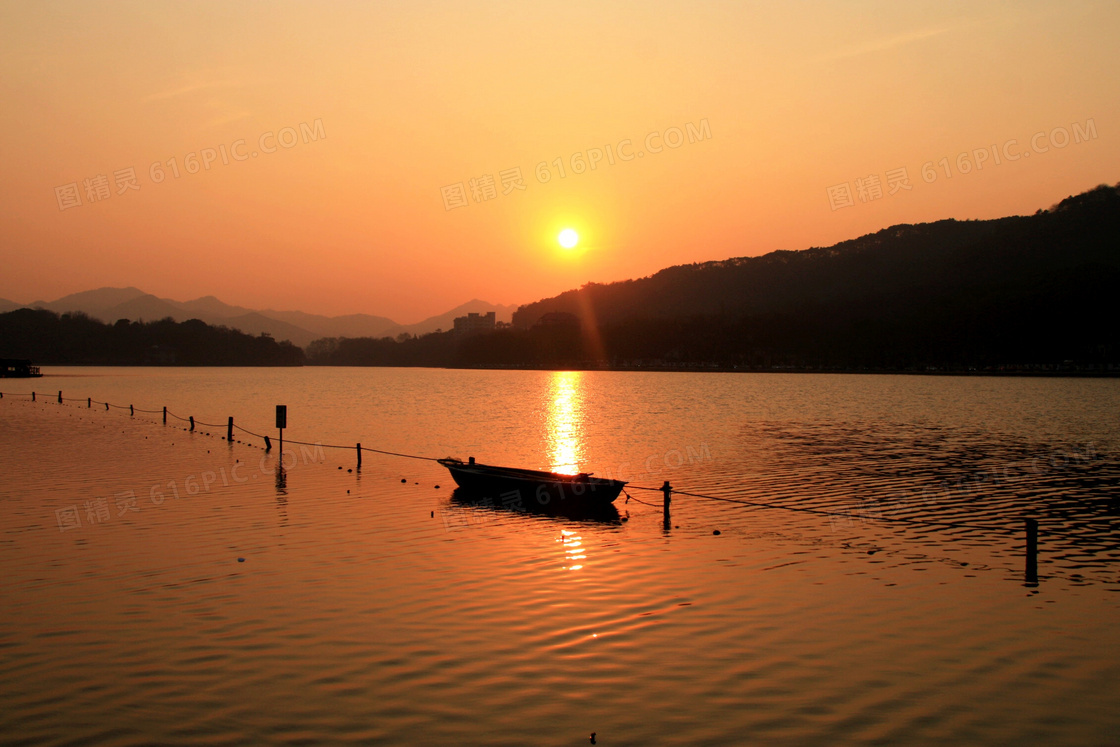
(281, 423)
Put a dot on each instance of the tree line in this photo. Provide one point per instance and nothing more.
(48, 338)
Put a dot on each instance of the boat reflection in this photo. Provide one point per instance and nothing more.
(593, 512)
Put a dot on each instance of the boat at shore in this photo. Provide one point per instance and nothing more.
(18, 368)
(526, 487)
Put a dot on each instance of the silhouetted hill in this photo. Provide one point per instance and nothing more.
(48, 338)
(1019, 293)
(1017, 290)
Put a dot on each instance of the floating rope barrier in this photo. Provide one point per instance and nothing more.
(824, 512)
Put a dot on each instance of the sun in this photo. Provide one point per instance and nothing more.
(568, 238)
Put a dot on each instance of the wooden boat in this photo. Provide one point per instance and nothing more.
(526, 487)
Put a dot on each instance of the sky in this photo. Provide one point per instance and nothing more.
(401, 158)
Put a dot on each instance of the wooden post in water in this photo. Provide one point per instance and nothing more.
(191, 418)
(60, 396)
(33, 396)
(89, 402)
(106, 407)
(1031, 570)
(165, 415)
(229, 430)
(667, 490)
(359, 455)
(267, 444)
(131, 410)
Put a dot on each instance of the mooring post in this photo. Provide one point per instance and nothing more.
(33, 396)
(165, 415)
(89, 402)
(229, 430)
(359, 455)
(131, 411)
(281, 424)
(267, 444)
(667, 490)
(106, 406)
(191, 417)
(60, 396)
(1031, 571)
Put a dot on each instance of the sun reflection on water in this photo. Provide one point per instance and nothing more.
(564, 420)
(573, 550)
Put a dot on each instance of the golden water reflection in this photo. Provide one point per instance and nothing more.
(574, 554)
(565, 421)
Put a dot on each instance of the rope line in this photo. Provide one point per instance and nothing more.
(823, 512)
(636, 500)
(393, 453)
(246, 430)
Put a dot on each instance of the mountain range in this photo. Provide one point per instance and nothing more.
(111, 304)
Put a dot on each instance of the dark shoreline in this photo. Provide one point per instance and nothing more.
(1072, 373)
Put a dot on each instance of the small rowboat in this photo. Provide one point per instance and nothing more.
(532, 486)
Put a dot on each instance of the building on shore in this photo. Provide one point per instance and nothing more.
(474, 323)
(18, 368)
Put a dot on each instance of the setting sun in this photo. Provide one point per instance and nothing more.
(568, 238)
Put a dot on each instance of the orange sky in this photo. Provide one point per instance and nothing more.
(399, 100)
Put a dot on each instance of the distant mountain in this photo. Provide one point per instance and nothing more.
(210, 306)
(144, 307)
(351, 325)
(92, 302)
(110, 304)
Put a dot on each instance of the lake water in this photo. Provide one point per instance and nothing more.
(162, 586)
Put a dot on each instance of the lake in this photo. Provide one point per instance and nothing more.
(866, 585)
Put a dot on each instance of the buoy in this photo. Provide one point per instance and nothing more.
(716, 532)
(241, 560)
(437, 487)
(403, 480)
(349, 470)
